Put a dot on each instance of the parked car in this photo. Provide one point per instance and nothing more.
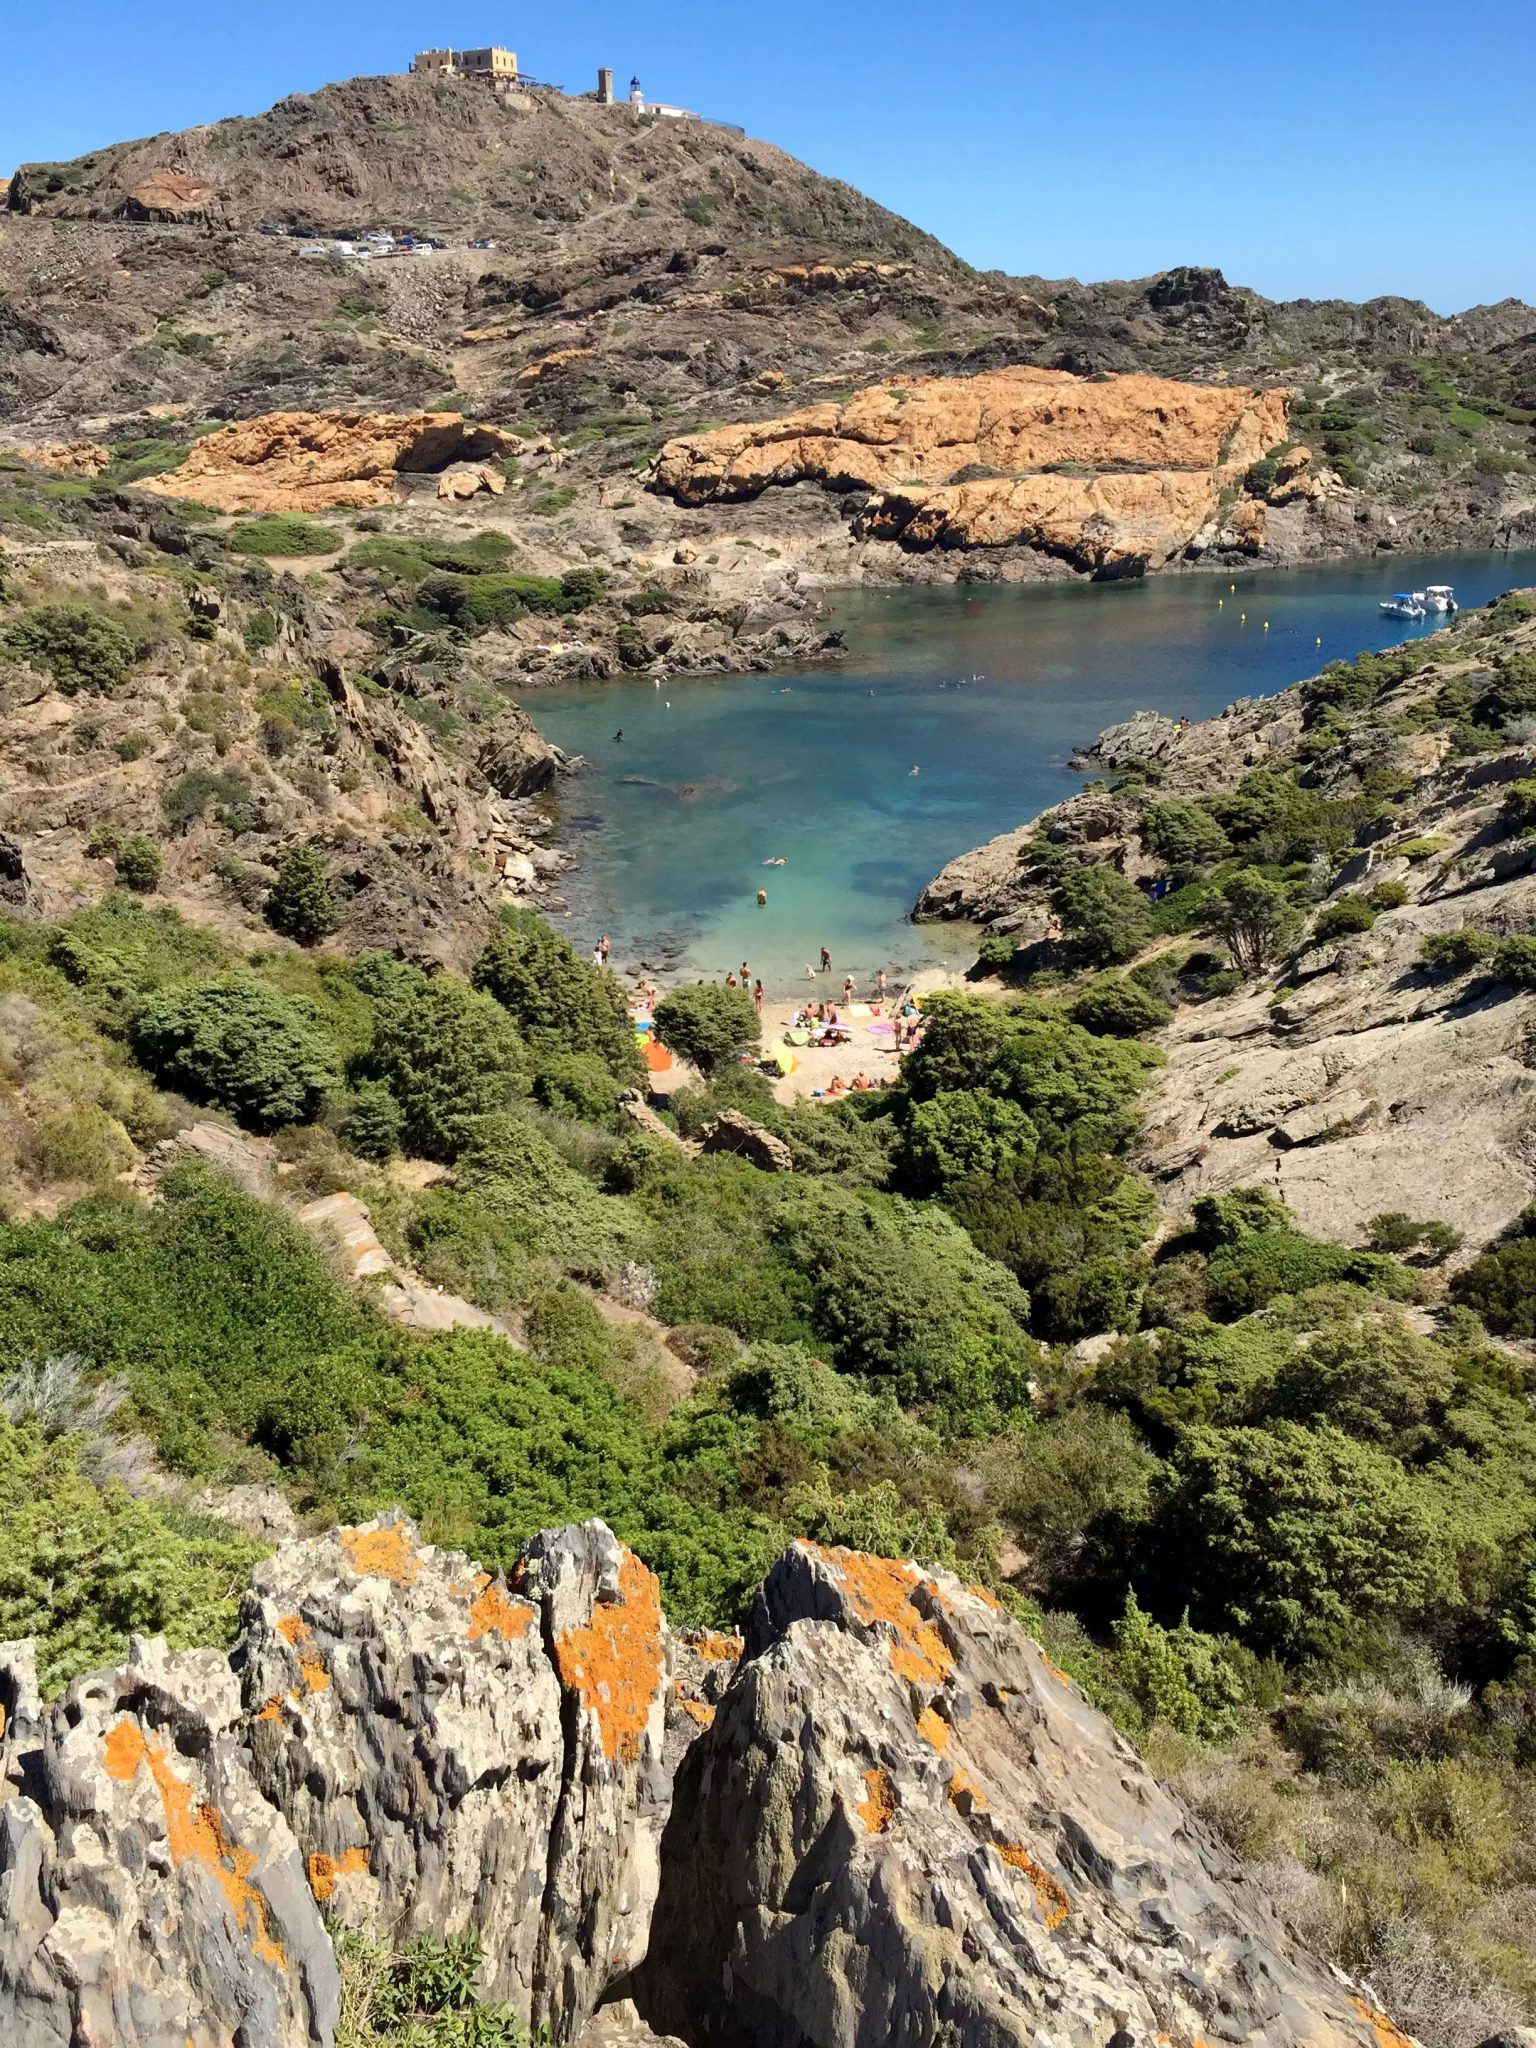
(271, 227)
(482, 245)
(313, 249)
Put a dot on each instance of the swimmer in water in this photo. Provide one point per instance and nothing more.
(914, 769)
(619, 734)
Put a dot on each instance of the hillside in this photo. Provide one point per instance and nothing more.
(655, 279)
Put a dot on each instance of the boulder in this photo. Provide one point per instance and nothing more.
(905, 1824)
(733, 1132)
(15, 889)
(150, 1896)
(457, 1752)
(980, 461)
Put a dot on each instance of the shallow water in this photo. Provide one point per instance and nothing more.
(983, 691)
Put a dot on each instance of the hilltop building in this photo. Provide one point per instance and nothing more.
(497, 67)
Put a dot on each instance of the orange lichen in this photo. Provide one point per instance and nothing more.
(880, 1591)
(1050, 1893)
(987, 1598)
(934, 1728)
(696, 1710)
(494, 1612)
(271, 1709)
(715, 1648)
(1388, 2034)
(962, 1786)
(195, 1834)
(313, 1672)
(878, 1806)
(614, 1661)
(1054, 1669)
(324, 1870)
(382, 1554)
(293, 1629)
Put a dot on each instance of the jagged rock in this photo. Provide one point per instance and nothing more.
(635, 1110)
(1164, 452)
(904, 1824)
(150, 1897)
(516, 759)
(245, 1160)
(264, 1512)
(733, 1132)
(15, 889)
(316, 461)
(456, 1752)
(1346, 1111)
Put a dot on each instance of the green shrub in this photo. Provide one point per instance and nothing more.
(374, 1123)
(1394, 1232)
(240, 1046)
(1517, 813)
(559, 1002)
(1514, 961)
(1185, 835)
(140, 863)
(80, 647)
(956, 1135)
(1457, 952)
(1388, 896)
(1107, 915)
(422, 1994)
(86, 1143)
(283, 533)
(450, 1056)
(1420, 849)
(84, 1566)
(189, 796)
(578, 1086)
(1339, 920)
(299, 904)
(1501, 1285)
(1179, 1676)
(708, 1026)
(1254, 917)
(1114, 1006)
(1264, 1263)
(261, 631)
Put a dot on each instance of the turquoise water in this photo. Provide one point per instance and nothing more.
(984, 691)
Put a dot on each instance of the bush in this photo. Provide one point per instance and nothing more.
(140, 863)
(1517, 813)
(955, 1135)
(1179, 1676)
(449, 1056)
(80, 647)
(1501, 1285)
(283, 533)
(1458, 952)
(240, 1046)
(82, 1144)
(1339, 920)
(189, 796)
(708, 1026)
(85, 1566)
(1265, 1263)
(1394, 1232)
(1107, 915)
(1185, 835)
(559, 1002)
(1388, 896)
(373, 1123)
(1514, 961)
(1254, 917)
(1114, 1006)
(422, 1994)
(577, 1086)
(299, 904)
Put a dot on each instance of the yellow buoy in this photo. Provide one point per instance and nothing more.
(1266, 625)
(1319, 640)
(1220, 602)
(1242, 618)
(1231, 586)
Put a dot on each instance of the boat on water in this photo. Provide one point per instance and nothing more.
(1405, 604)
(1440, 597)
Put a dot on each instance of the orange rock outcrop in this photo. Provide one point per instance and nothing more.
(322, 461)
(1110, 472)
(69, 458)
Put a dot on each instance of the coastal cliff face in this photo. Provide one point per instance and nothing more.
(1347, 1075)
(1114, 475)
(894, 1788)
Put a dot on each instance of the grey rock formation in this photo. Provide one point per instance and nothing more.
(456, 1755)
(733, 1132)
(905, 1825)
(150, 1897)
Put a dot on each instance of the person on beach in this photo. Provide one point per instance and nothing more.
(597, 954)
(604, 948)
(762, 898)
(880, 984)
(730, 981)
(746, 975)
(837, 1085)
(810, 972)
(757, 997)
(826, 961)
(847, 989)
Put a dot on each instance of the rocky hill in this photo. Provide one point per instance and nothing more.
(401, 1742)
(1352, 1073)
(656, 279)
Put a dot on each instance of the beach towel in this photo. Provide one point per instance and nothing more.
(859, 1010)
(657, 1058)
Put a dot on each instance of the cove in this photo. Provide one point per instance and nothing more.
(984, 691)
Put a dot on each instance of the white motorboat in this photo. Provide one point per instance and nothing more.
(1440, 597)
(1404, 604)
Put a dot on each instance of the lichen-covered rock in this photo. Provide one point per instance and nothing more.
(150, 1897)
(457, 1754)
(905, 1825)
(744, 1138)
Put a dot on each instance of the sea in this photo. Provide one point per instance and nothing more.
(841, 789)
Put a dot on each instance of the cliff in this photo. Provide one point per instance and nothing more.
(1114, 475)
(1348, 1074)
(894, 1789)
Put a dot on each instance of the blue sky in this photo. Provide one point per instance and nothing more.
(1322, 148)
